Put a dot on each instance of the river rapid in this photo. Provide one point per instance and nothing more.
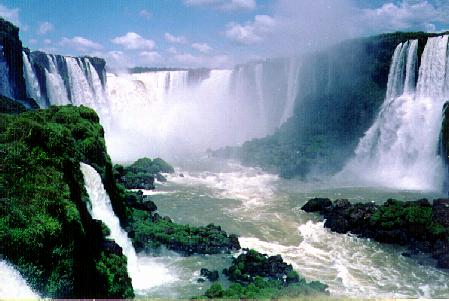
(264, 210)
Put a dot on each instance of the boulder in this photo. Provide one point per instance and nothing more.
(317, 205)
(210, 275)
(440, 212)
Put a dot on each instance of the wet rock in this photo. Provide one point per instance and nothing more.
(337, 223)
(443, 262)
(210, 275)
(440, 212)
(112, 247)
(317, 205)
(417, 224)
(161, 178)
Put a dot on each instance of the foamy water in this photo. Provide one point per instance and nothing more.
(249, 185)
(264, 210)
(12, 285)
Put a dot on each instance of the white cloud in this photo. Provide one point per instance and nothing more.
(145, 14)
(150, 56)
(175, 39)
(80, 43)
(223, 4)
(189, 60)
(10, 14)
(132, 40)
(47, 41)
(251, 32)
(32, 41)
(405, 15)
(172, 50)
(45, 27)
(201, 47)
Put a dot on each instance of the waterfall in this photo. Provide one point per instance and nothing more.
(31, 82)
(5, 87)
(12, 285)
(56, 91)
(66, 80)
(400, 149)
(292, 89)
(101, 209)
(258, 77)
(144, 271)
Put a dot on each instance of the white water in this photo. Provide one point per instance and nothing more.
(160, 114)
(145, 272)
(401, 147)
(264, 211)
(56, 91)
(12, 285)
(292, 88)
(32, 85)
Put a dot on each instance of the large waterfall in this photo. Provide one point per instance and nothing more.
(12, 285)
(174, 113)
(169, 112)
(59, 80)
(144, 272)
(401, 148)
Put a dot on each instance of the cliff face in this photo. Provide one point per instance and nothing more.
(46, 230)
(340, 92)
(12, 47)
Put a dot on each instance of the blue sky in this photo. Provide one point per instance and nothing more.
(220, 33)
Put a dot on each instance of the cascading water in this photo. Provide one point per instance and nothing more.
(5, 87)
(67, 80)
(12, 285)
(56, 91)
(144, 272)
(292, 89)
(31, 83)
(401, 147)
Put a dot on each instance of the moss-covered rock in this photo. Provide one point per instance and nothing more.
(151, 231)
(46, 230)
(420, 225)
(141, 174)
(258, 276)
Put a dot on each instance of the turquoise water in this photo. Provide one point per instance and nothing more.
(264, 211)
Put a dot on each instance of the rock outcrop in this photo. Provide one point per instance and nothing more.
(420, 225)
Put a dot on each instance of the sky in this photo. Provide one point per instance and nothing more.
(209, 33)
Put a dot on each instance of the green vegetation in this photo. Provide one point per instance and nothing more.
(151, 231)
(257, 276)
(45, 228)
(141, 174)
(397, 214)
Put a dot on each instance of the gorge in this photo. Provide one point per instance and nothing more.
(363, 119)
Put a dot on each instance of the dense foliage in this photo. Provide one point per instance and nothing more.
(141, 174)
(45, 228)
(257, 276)
(151, 231)
(340, 91)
